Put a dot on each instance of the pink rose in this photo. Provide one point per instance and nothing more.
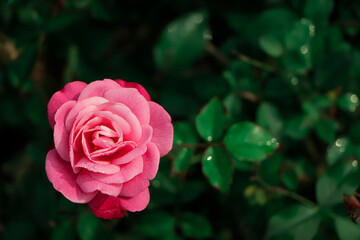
(109, 137)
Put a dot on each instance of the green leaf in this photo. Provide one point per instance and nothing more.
(346, 229)
(13, 77)
(247, 141)
(300, 35)
(342, 178)
(312, 112)
(242, 165)
(194, 225)
(182, 42)
(182, 161)
(298, 46)
(271, 45)
(239, 76)
(341, 148)
(210, 122)
(354, 132)
(319, 11)
(298, 127)
(233, 105)
(184, 132)
(290, 179)
(156, 224)
(217, 168)
(269, 169)
(298, 62)
(275, 21)
(30, 15)
(296, 222)
(349, 102)
(268, 116)
(333, 68)
(326, 129)
(88, 226)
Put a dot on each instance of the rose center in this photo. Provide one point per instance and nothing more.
(104, 137)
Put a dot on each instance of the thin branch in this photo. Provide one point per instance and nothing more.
(215, 52)
(284, 192)
(254, 62)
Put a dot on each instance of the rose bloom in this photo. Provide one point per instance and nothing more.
(109, 137)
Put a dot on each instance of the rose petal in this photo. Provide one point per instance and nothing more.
(93, 167)
(151, 161)
(100, 156)
(98, 88)
(107, 207)
(127, 172)
(124, 112)
(134, 186)
(95, 120)
(163, 131)
(89, 184)
(71, 91)
(139, 150)
(83, 117)
(136, 203)
(61, 135)
(79, 106)
(107, 154)
(138, 86)
(63, 179)
(133, 100)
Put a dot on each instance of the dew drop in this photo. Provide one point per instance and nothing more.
(339, 143)
(209, 158)
(207, 36)
(304, 49)
(354, 98)
(209, 138)
(312, 30)
(294, 81)
(354, 163)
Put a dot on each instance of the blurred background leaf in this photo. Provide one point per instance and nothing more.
(263, 96)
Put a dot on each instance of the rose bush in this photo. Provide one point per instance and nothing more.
(109, 137)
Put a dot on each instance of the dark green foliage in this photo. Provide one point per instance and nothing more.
(264, 97)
